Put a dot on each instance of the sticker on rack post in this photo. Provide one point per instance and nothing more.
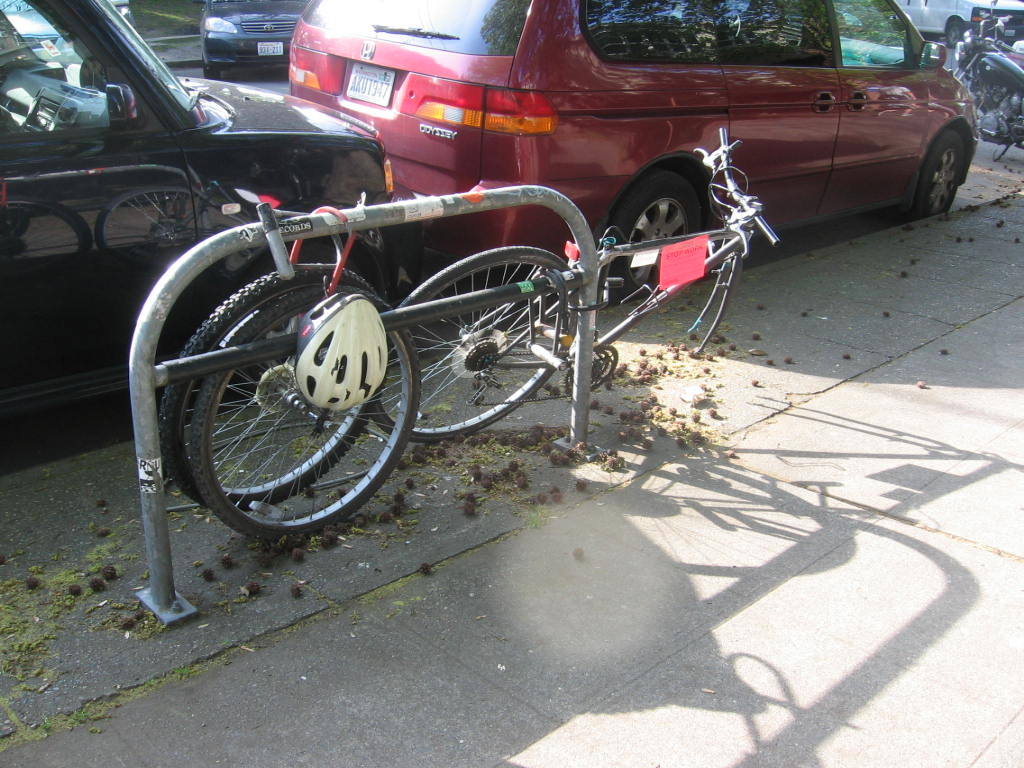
(526, 286)
(425, 208)
(683, 262)
(150, 476)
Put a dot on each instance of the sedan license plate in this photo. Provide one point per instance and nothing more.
(372, 84)
(270, 49)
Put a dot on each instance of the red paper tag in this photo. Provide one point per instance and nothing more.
(572, 251)
(683, 262)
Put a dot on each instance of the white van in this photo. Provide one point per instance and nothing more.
(952, 18)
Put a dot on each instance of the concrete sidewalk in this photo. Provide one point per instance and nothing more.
(837, 581)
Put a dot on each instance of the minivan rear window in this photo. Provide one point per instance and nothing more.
(489, 28)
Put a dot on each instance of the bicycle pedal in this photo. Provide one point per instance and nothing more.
(548, 357)
(548, 332)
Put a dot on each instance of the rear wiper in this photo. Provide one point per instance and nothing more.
(414, 32)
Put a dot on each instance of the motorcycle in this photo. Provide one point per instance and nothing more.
(991, 69)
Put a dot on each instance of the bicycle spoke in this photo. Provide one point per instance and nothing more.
(466, 355)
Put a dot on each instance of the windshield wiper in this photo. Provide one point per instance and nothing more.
(414, 32)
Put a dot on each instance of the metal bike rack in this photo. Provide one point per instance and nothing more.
(145, 375)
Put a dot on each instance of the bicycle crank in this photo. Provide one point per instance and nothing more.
(602, 368)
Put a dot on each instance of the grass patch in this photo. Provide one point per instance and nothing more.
(163, 18)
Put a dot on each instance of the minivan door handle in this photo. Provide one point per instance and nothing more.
(825, 102)
(858, 100)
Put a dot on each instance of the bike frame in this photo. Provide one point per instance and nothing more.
(732, 241)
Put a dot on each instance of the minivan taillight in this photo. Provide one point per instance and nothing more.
(499, 110)
(315, 70)
(519, 112)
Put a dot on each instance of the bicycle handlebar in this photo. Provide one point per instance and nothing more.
(745, 208)
(766, 230)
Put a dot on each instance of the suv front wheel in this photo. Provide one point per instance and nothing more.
(662, 204)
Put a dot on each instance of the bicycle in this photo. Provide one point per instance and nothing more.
(515, 348)
(267, 463)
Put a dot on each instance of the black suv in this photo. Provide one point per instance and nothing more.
(110, 167)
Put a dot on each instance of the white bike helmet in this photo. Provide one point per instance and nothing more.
(342, 352)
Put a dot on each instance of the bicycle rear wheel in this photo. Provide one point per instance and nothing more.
(266, 463)
(476, 365)
(155, 217)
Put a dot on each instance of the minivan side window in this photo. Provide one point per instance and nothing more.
(871, 34)
(653, 30)
(790, 33)
(750, 32)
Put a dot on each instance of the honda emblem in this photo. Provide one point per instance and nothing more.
(368, 49)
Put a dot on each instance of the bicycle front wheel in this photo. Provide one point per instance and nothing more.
(266, 463)
(714, 297)
(218, 331)
(476, 365)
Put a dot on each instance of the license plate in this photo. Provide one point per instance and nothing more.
(372, 84)
(270, 49)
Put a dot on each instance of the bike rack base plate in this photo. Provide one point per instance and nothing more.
(179, 609)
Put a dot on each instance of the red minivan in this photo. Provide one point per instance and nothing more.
(841, 105)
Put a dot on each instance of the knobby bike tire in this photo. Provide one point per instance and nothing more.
(464, 358)
(267, 465)
(154, 217)
(216, 332)
(30, 227)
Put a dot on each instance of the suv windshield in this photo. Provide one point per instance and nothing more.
(492, 27)
(154, 63)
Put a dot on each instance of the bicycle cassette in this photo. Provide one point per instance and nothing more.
(478, 352)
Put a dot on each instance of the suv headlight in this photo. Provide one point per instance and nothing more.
(217, 24)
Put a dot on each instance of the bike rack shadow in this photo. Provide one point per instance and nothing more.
(145, 375)
(743, 494)
(659, 584)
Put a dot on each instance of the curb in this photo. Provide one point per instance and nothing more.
(184, 63)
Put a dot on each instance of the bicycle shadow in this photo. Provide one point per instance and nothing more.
(709, 615)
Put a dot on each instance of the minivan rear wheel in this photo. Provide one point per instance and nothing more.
(662, 204)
